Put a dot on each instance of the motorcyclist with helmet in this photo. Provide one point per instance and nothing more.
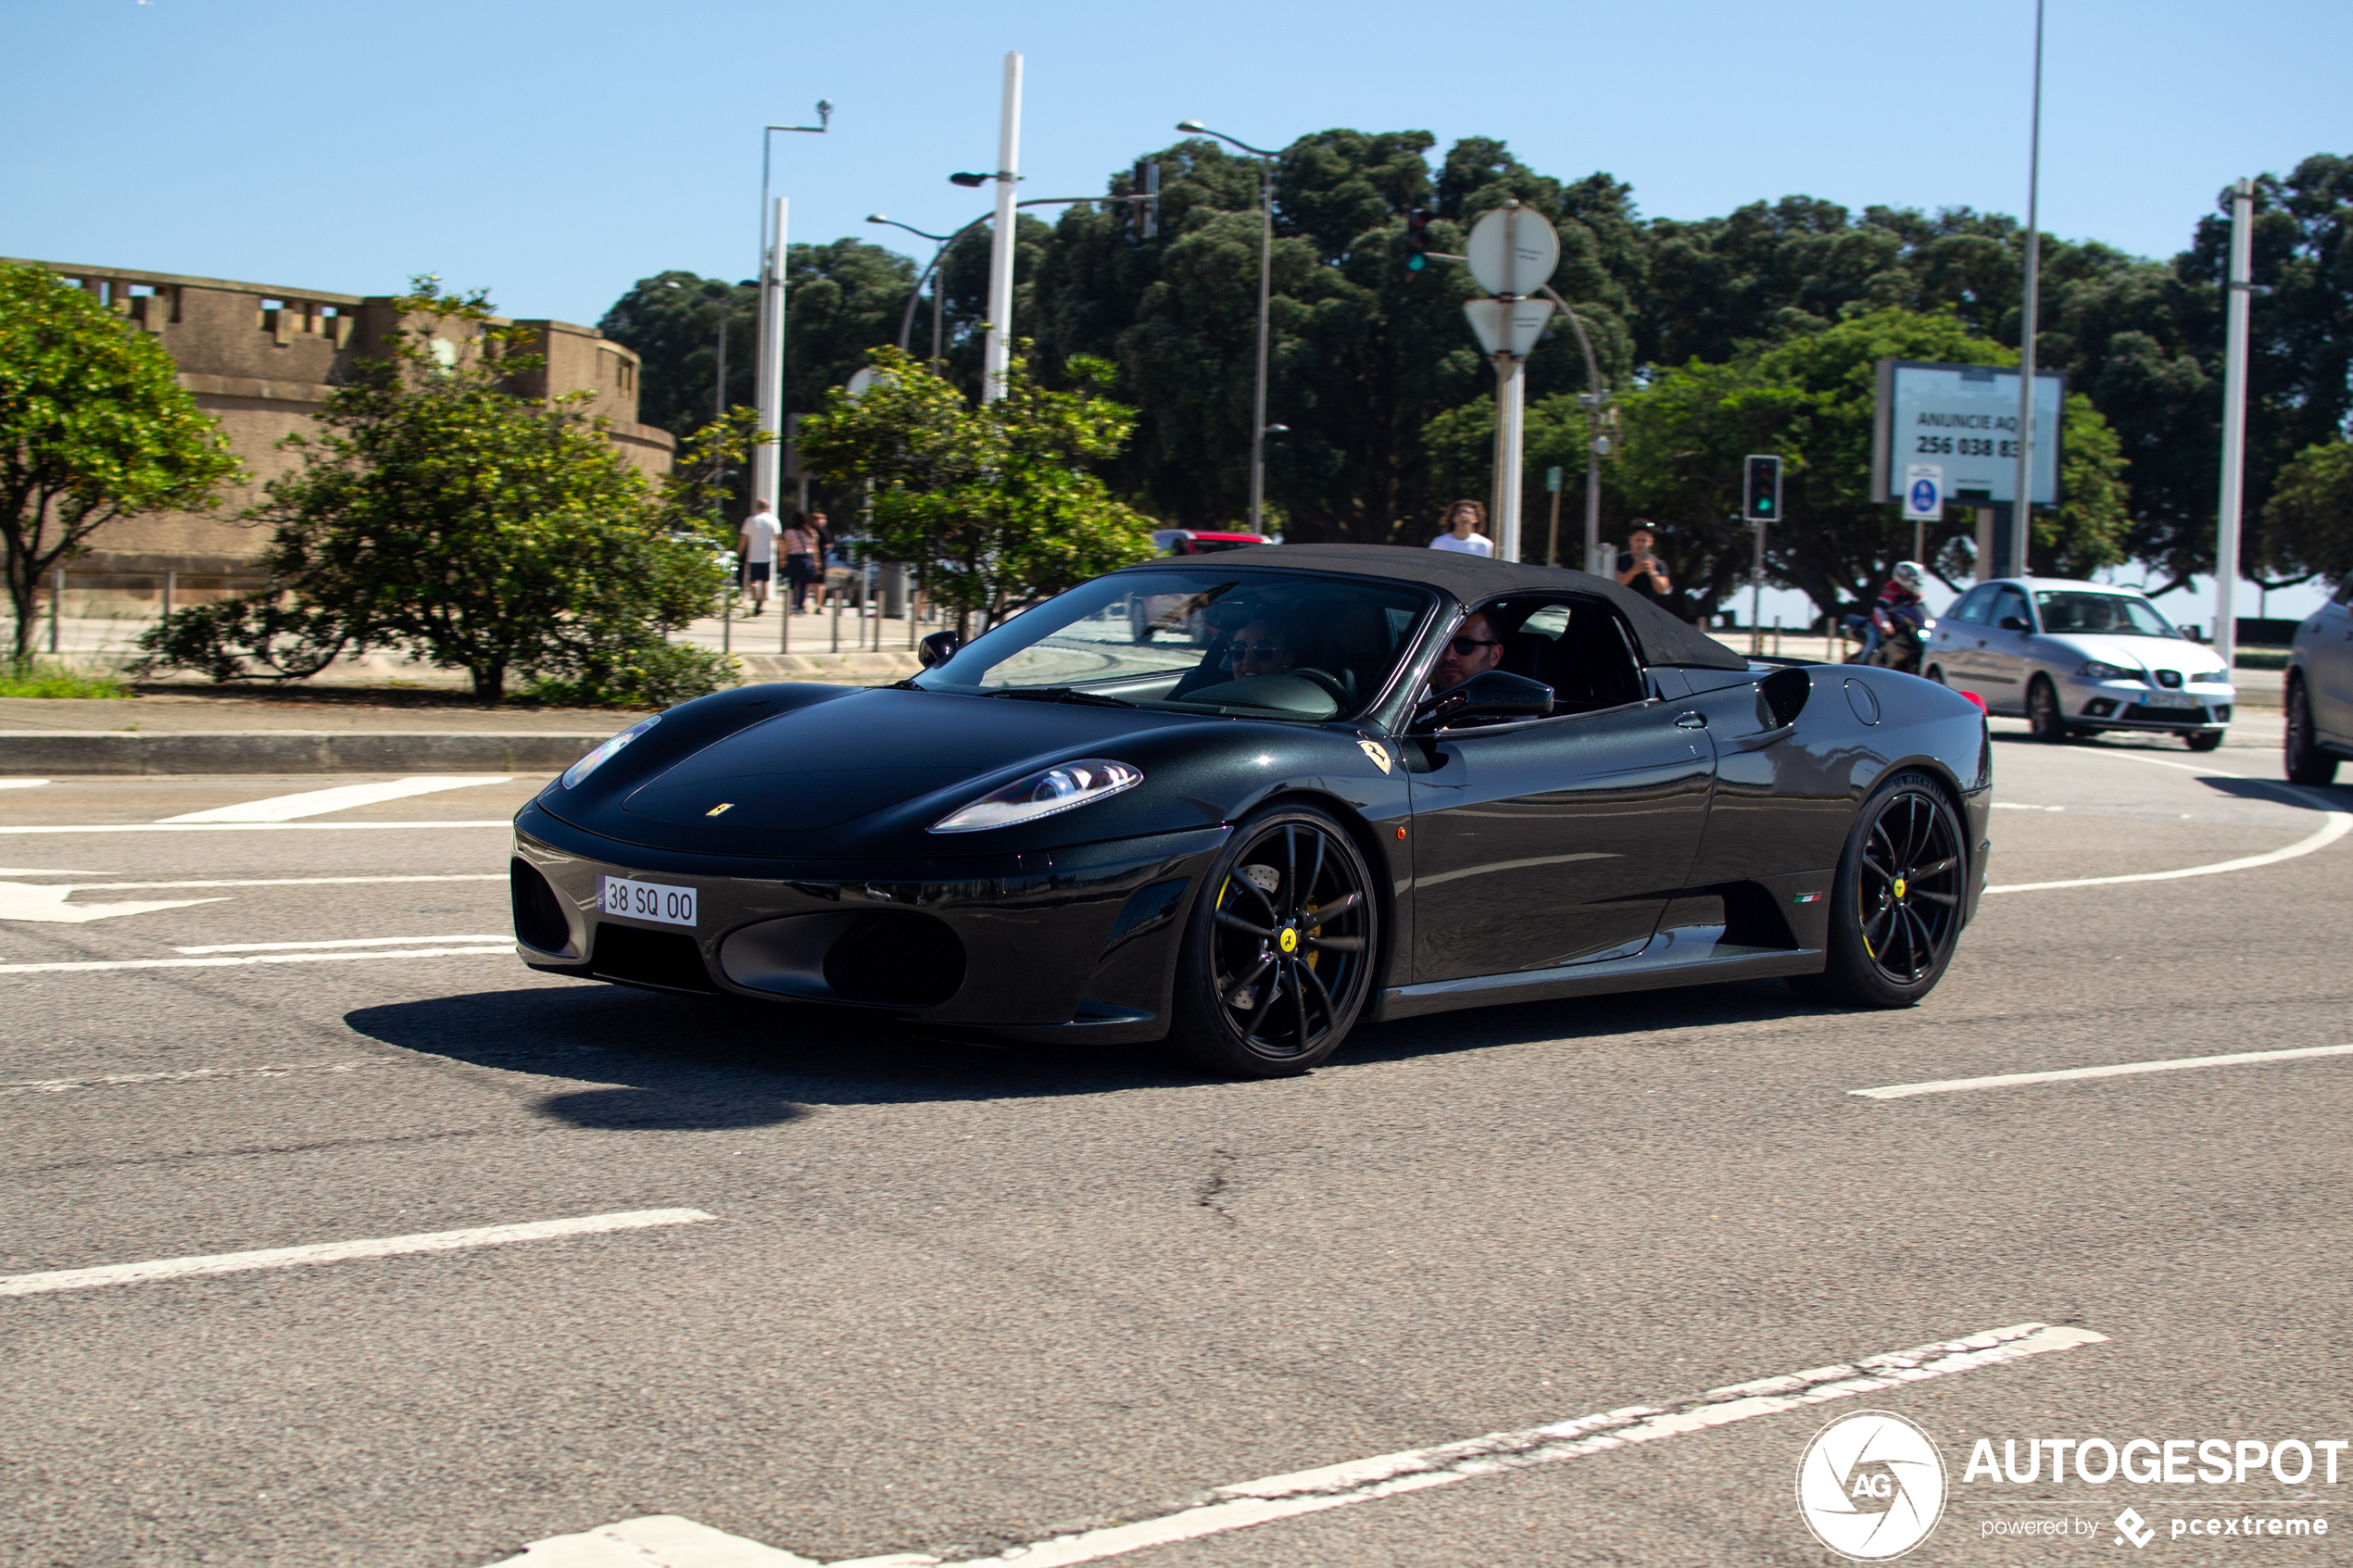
(1902, 592)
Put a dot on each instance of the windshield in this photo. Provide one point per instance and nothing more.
(2109, 615)
(1257, 645)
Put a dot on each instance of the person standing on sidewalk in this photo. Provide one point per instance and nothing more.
(1639, 569)
(801, 545)
(1462, 521)
(756, 548)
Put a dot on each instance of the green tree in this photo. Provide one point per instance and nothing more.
(440, 514)
(1810, 398)
(93, 426)
(990, 503)
(2307, 526)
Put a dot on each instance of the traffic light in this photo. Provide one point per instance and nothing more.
(1143, 217)
(1417, 239)
(1761, 490)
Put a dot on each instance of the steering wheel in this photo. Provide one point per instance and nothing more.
(1328, 686)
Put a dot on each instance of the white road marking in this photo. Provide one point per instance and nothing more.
(1363, 1480)
(59, 1086)
(2023, 805)
(23, 901)
(254, 827)
(341, 1251)
(342, 797)
(337, 942)
(22, 783)
(88, 966)
(2118, 1069)
(2336, 826)
(49, 870)
(272, 880)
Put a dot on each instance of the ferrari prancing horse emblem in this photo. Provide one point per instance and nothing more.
(1377, 752)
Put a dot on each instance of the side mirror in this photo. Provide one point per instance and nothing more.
(939, 648)
(1496, 694)
(2014, 623)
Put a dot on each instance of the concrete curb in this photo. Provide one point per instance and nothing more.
(289, 751)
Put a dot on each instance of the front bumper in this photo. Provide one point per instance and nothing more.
(1080, 941)
(2124, 705)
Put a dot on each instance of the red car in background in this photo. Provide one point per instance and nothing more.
(1149, 614)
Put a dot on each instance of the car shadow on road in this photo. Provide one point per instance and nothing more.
(669, 1063)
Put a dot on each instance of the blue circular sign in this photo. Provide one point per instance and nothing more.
(1923, 495)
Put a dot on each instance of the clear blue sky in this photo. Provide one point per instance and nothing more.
(555, 153)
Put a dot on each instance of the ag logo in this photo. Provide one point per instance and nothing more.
(1871, 1486)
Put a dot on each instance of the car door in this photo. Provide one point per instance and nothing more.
(2327, 641)
(1552, 842)
(1952, 648)
(1998, 670)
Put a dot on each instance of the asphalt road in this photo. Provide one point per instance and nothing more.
(953, 1299)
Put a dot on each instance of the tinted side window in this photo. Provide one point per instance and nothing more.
(1972, 606)
(2010, 602)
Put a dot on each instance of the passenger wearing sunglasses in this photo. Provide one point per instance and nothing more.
(1260, 648)
(1473, 650)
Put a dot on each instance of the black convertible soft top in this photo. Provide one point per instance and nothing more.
(1470, 579)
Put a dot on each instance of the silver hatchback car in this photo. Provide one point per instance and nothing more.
(2075, 659)
(2319, 691)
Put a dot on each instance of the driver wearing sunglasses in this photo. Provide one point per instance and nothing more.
(1260, 648)
(1473, 650)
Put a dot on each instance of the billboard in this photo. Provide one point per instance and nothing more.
(1964, 418)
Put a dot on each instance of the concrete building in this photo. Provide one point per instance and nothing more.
(261, 360)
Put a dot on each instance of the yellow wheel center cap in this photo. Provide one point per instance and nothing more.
(1900, 886)
(1290, 940)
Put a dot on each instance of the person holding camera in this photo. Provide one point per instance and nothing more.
(1641, 570)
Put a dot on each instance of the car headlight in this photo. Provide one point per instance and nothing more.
(605, 753)
(2208, 678)
(2095, 670)
(1062, 788)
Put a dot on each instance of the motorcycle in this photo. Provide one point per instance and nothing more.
(1900, 649)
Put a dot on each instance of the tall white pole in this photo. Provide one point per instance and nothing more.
(1258, 399)
(2226, 533)
(1511, 408)
(997, 349)
(2022, 508)
(767, 457)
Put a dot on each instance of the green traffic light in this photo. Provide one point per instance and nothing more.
(1413, 264)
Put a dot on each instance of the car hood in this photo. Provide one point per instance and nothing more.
(822, 766)
(2137, 653)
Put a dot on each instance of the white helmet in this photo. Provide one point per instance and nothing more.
(1907, 573)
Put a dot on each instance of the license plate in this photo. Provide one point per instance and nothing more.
(646, 900)
(2168, 699)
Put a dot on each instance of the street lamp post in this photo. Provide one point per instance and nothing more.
(935, 269)
(1265, 274)
(2023, 506)
(769, 384)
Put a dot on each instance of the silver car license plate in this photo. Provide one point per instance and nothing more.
(646, 900)
(2168, 699)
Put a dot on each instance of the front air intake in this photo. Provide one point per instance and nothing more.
(539, 914)
(903, 958)
(665, 958)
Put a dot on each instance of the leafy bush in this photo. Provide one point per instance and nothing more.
(652, 675)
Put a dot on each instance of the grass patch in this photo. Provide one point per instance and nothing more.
(49, 679)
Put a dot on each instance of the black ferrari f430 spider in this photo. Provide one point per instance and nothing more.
(1390, 783)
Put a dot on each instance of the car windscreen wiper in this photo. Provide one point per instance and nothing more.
(1060, 694)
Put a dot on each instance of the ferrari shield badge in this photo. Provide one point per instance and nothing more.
(1377, 752)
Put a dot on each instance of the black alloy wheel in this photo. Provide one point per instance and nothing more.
(2304, 760)
(1277, 958)
(1896, 909)
(2043, 712)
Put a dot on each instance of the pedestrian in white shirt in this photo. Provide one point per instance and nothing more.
(1462, 521)
(756, 547)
